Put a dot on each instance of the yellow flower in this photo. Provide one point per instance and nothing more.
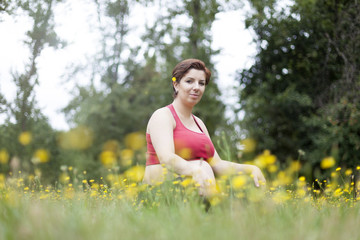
(327, 162)
(135, 140)
(265, 159)
(127, 156)
(338, 192)
(283, 178)
(185, 153)
(173, 79)
(238, 181)
(186, 182)
(40, 156)
(78, 138)
(108, 158)
(64, 178)
(281, 197)
(302, 179)
(249, 145)
(4, 156)
(338, 169)
(295, 166)
(272, 168)
(135, 173)
(348, 172)
(25, 138)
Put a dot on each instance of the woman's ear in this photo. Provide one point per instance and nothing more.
(175, 84)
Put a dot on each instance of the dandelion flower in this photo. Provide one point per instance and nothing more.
(25, 138)
(135, 140)
(249, 145)
(348, 172)
(238, 181)
(40, 156)
(4, 156)
(327, 162)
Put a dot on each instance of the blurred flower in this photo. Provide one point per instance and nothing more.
(272, 168)
(64, 178)
(295, 166)
(249, 145)
(281, 197)
(338, 192)
(108, 158)
(2, 180)
(348, 172)
(40, 156)
(301, 152)
(135, 173)
(302, 179)
(4, 156)
(265, 159)
(126, 157)
(37, 172)
(135, 140)
(111, 145)
(78, 138)
(327, 162)
(238, 181)
(25, 138)
(283, 179)
(186, 182)
(185, 153)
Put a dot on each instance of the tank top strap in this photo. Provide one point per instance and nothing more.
(197, 124)
(176, 117)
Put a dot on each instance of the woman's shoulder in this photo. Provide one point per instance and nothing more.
(161, 117)
(161, 114)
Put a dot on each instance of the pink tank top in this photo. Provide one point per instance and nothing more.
(188, 144)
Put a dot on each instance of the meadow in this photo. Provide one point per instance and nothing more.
(119, 206)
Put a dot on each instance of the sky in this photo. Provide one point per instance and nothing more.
(74, 24)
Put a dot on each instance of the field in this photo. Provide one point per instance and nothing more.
(121, 207)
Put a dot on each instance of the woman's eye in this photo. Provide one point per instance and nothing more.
(202, 84)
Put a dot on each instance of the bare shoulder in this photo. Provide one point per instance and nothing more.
(161, 116)
(161, 113)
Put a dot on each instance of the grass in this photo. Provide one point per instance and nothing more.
(173, 212)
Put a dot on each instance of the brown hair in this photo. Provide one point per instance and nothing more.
(184, 66)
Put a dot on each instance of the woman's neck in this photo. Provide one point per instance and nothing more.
(183, 110)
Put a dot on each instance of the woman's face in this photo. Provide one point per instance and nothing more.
(191, 86)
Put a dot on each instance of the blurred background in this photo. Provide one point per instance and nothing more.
(79, 81)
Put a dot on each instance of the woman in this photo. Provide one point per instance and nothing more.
(180, 142)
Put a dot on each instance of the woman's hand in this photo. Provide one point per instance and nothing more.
(203, 175)
(258, 177)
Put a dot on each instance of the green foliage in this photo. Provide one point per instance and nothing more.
(307, 64)
(23, 115)
(132, 87)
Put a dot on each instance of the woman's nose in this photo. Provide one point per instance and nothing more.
(196, 85)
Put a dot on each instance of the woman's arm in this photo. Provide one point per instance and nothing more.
(223, 167)
(160, 128)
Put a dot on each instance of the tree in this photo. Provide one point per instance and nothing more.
(307, 64)
(23, 114)
(131, 85)
(172, 39)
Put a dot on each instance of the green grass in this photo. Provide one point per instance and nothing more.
(163, 214)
